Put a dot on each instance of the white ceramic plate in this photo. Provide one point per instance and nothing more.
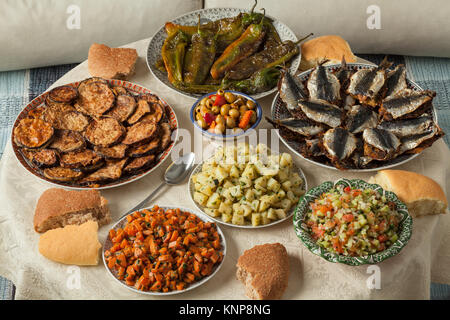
(191, 189)
(191, 18)
(279, 111)
(121, 223)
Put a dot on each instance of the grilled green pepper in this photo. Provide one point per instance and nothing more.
(197, 88)
(240, 49)
(172, 52)
(271, 57)
(260, 81)
(199, 56)
(272, 37)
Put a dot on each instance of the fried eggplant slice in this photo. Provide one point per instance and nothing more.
(104, 132)
(143, 107)
(63, 94)
(43, 158)
(119, 90)
(124, 108)
(139, 164)
(140, 132)
(67, 141)
(90, 80)
(80, 159)
(380, 144)
(409, 104)
(156, 113)
(166, 135)
(37, 113)
(62, 174)
(95, 98)
(72, 120)
(111, 171)
(150, 98)
(145, 149)
(118, 151)
(54, 112)
(33, 133)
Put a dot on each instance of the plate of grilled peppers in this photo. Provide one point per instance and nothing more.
(223, 48)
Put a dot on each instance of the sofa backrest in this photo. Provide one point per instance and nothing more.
(406, 27)
(35, 33)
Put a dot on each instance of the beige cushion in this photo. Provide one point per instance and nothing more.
(407, 27)
(35, 33)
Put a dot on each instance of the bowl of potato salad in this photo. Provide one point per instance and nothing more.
(246, 186)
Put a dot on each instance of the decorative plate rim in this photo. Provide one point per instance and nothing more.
(135, 88)
(302, 233)
(202, 216)
(200, 208)
(323, 165)
(294, 66)
(259, 115)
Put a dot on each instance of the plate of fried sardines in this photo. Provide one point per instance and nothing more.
(222, 48)
(96, 133)
(355, 116)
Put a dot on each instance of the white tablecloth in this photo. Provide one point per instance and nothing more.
(407, 276)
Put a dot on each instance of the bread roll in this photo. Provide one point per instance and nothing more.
(73, 244)
(329, 47)
(264, 270)
(422, 195)
(111, 63)
(57, 208)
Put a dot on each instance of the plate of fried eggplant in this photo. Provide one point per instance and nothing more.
(222, 48)
(355, 116)
(96, 133)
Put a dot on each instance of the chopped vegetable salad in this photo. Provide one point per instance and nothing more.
(353, 222)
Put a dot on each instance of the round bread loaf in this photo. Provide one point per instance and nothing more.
(264, 270)
(330, 47)
(422, 195)
(57, 208)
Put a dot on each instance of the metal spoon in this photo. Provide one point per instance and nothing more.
(175, 174)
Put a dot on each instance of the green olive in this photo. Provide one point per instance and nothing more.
(234, 113)
(230, 122)
(229, 97)
(209, 103)
(225, 109)
(253, 117)
(215, 109)
(243, 109)
(203, 110)
(219, 128)
(251, 104)
(203, 101)
(202, 123)
(239, 101)
(220, 119)
(198, 116)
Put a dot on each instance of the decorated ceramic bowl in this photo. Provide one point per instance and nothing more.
(302, 230)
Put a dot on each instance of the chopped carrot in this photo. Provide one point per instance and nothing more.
(245, 120)
(163, 251)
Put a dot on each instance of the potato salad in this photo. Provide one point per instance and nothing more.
(247, 185)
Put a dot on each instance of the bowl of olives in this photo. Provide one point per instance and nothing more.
(225, 114)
